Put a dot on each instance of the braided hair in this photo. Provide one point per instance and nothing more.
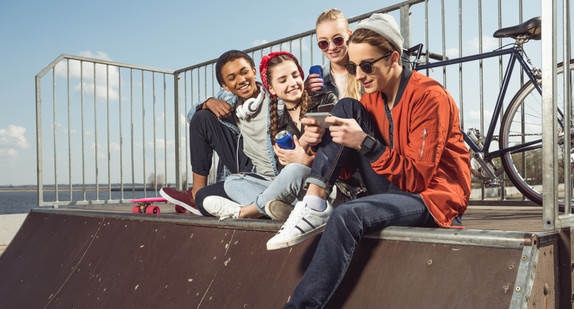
(274, 114)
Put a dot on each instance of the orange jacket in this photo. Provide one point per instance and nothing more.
(428, 155)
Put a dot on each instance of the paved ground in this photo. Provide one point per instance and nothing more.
(509, 218)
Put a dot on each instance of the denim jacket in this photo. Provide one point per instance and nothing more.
(328, 82)
(233, 100)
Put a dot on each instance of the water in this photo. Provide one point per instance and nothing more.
(17, 202)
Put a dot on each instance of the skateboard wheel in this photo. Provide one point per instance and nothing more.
(180, 209)
(152, 210)
(136, 210)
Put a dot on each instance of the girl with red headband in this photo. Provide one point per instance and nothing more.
(282, 77)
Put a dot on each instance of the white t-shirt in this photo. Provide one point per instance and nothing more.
(254, 132)
(341, 82)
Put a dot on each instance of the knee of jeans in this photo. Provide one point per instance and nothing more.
(296, 170)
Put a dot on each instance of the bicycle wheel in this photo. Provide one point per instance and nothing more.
(521, 134)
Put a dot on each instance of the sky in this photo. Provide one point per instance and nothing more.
(169, 34)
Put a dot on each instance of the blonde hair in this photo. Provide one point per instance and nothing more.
(354, 89)
(331, 14)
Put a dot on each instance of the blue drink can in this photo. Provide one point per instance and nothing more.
(317, 69)
(284, 140)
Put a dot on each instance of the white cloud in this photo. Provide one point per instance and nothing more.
(452, 53)
(259, 42)
(104, 75)
(11, 140)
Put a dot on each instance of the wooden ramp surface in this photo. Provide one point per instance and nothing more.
(115, 259)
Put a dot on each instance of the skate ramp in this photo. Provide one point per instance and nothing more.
(67, 259)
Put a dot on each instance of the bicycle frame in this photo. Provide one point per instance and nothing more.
(515, 54)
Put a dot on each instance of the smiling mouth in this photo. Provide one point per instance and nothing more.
(244, 87)
(294, 89)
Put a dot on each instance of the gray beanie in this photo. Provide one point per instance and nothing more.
(385, 25)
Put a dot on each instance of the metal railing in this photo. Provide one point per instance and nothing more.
(551, 145)
(92, 150)
(95, 158)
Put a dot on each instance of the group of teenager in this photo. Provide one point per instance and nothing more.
(394, 128)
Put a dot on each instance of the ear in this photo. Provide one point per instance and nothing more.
(395, 56)
(225, 87)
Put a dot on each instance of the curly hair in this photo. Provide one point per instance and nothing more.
(228, 57)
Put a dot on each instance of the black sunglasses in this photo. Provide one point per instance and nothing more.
(338, 41)
(366, 66)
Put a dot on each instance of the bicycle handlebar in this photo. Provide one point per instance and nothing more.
(417, 52)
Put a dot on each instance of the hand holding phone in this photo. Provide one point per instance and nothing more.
(319, 118)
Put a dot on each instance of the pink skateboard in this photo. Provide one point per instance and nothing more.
(145, 205)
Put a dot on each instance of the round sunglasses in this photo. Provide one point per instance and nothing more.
(366, 66)
(338, 41)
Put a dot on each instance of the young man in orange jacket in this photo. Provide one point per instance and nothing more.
(404, 136)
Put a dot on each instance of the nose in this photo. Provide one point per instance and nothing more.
(359, 74)
(241, 78)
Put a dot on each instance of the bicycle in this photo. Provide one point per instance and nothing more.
(520, 135)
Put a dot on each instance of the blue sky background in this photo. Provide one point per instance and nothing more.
(170, 34)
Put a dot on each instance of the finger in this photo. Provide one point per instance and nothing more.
(334, 120)
(296, 142)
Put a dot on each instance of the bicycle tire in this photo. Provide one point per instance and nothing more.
(523, 167)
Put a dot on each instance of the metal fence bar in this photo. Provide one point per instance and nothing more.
(143, 134)
(96, 134)
(121, 133)
(549, 129)
(132, 129)
(567, 220)
(83, 133)
(108, 128)
(567, 104)
(70, 186)
(54, 131)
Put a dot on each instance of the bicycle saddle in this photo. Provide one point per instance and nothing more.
(530, 28)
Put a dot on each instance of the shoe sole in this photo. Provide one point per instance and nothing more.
(296, 240)
(278, 215)
(180, 203)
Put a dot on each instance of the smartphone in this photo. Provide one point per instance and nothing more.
(319, 118)
(317, 69)
(326, 108)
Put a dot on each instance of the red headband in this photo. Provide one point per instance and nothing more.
(265, 63)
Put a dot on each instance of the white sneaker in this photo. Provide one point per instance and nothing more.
(278, 210)
(221, 207)
(303, 223)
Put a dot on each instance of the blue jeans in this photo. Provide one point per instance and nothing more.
(247, 188)
(385, 205)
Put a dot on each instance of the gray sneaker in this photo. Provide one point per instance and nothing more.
(221, 207)
(278, 210)
(303, 223)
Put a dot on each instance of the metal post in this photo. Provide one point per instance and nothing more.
(549, 127)
(176, 100)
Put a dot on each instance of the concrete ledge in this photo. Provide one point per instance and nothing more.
(9, 226)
